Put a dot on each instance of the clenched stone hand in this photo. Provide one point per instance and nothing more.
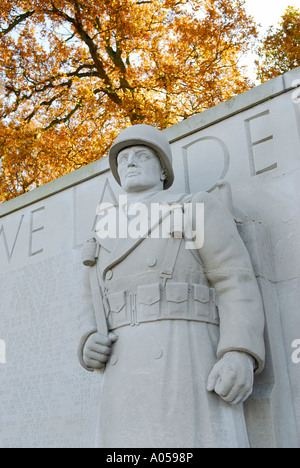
(232, 377)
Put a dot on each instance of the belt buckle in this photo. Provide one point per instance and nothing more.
(133, 309)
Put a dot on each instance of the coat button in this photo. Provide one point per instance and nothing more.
(109, 275)
(113, 360)
(151, 261)
(157, 354)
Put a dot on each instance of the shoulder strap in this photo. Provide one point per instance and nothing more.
(173, 247)
(174, 241)
(170, 259)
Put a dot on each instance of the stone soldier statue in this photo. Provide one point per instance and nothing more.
(183, 331)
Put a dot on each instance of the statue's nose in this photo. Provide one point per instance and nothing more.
(131, 162)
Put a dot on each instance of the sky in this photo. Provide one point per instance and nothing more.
(269, 12)
(266, 13)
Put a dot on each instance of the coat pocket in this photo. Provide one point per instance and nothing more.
(201, 300)
(117, 308)
(177, 299)
(116, 302)
(148, 302)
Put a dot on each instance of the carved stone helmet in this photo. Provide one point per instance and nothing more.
(145, 135)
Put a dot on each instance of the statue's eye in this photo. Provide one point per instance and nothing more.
(143, 156)
(122, 160)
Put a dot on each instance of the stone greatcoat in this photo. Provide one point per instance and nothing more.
(172, 327)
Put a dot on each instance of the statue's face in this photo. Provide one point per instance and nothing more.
(140, 169)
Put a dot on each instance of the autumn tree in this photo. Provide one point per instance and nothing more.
(280, 49)
(77, 72)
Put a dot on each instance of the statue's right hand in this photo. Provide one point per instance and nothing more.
(97, 350)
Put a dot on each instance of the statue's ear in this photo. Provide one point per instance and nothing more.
(163, 175)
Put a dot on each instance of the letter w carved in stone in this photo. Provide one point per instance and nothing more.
(9, 252)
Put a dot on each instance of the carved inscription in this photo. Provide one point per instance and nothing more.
(9, 252)
(2, 352)
(35, 227)
(45, 284)
(42, 383)
(254, 143)
(296, 102)
(48, 410)
(33, 230)
(214, 155)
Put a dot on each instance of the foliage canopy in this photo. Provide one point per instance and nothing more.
(280, 50)
(77, 72)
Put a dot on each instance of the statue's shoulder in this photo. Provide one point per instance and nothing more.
(184, 197)
(206, 198)
(213, 206)
(203, 197)
(167, 197)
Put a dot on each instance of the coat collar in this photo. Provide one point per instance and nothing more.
(121, 247)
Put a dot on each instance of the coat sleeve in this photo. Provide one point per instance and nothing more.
(229, 270)
(87, 320)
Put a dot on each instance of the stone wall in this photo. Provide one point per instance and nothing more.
(253, 143)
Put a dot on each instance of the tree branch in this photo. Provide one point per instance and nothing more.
(58, 121)
(78, 26)
(17, 21)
